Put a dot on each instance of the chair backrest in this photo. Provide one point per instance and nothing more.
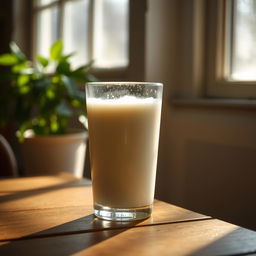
(8, 163)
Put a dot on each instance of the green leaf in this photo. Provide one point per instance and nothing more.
(56, 50)
(79, 101)
(41, 122)
(80, 96)
(22, 80)
(20, 67)
(24, 89)
(24, 126)
(40, 126)
(76, 103)
(28, 71)
(66, 57)
(16, 50)
(84, 68)
(63, 123)
(54, 126)
(64, 110)
(84, 77)
(91, 78)
(41, 84)
(63, 68)
(43, 61)
(50, 94)
(38, 100)
(56, 79)
(70, 85)
(8, 59)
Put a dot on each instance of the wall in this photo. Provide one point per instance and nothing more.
(22, 25)
(207, 154)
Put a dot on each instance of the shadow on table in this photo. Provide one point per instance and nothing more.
(240, 241)
(237, 242)
(55, 241)
(32, 192)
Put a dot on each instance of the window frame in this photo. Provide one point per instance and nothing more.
(136, 46)
(217, 57)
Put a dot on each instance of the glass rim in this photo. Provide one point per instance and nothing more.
(125, 83)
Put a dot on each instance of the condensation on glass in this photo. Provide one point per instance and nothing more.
(243, 38)
(75, 31)
(111, 37)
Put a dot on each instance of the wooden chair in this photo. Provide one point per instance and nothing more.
(8, 163)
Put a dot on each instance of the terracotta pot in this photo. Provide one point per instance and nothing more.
(50, 155)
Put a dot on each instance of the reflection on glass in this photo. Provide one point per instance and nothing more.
(243, 52)
(75, 34)
(110, 37)
(47, 31)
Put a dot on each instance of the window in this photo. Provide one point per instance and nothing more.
(101, 30)
(243, 38)
(231, 51)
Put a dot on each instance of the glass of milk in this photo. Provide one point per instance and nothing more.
(124, 124)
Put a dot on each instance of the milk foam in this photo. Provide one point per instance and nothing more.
(123, 100)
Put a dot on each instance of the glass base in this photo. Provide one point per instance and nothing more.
(117, 214)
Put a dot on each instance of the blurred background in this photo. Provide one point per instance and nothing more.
(204, 53)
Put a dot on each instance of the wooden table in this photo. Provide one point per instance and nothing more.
(53, 216)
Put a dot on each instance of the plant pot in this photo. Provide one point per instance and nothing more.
(54, 154)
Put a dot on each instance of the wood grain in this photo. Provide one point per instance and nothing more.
(203, 237)
(39, 182)
(53, 216)
(40, 206)
(62, 220)
(54, 197)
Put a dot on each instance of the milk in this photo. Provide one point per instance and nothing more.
(124, 137)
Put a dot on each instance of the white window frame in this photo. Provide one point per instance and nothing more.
(136, 67)
(216, 55)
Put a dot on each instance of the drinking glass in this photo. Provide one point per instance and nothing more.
(124, 124)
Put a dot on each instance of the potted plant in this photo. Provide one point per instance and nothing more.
(41, 98)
